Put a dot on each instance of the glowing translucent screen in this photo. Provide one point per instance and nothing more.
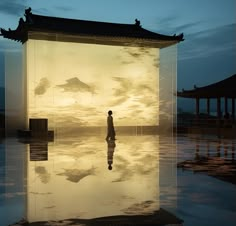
(75, 84)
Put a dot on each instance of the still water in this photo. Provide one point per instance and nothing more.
(87, 177)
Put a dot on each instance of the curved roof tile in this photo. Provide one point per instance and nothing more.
(70, 27)
(225, 88)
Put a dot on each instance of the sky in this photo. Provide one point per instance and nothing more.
(207, 55)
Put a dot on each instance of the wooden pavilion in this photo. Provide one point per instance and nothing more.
(224, 94)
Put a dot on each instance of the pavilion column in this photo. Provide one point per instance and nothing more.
(208, 110)
(197, 107)
(219, 114)
(208, 106)
(226, 105)
(197, 112)
(233, 108)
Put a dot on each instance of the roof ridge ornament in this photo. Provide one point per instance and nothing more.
(28, 16)
(137, 23)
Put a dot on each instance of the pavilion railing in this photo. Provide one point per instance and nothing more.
(206, 122)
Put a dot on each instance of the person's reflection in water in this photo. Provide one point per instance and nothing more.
(110, 152)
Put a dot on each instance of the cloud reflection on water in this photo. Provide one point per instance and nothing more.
(79, 178)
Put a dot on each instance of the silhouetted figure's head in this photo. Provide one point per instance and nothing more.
(110, 167)
(110, 112)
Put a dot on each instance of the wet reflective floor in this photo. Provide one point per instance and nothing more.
(206, 194)
(86, 180)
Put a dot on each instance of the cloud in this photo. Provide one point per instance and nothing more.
(118, 100)
(127, 88)
(76, 175)
(206, 57)
(42, 87)
(13, 7)
(173, 24)
(124, 173)
(123, 87)
(43, 174)
(148, 100)
(165, 25)
(64, 8)
(127, 62)
(144, 88)
(156, 63)
(147, 206)
(146, 51)
(120, 92)
(207, 43)
(187, 27)
(134, 52)
(75, 85)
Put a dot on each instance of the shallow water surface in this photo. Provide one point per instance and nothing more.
(203, 198)
(87, 177)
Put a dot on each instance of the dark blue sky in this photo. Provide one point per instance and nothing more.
(207, 55)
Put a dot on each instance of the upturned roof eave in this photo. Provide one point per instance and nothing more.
(72, 27)
(223, 88)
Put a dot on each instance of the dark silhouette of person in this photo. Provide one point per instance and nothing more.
(110, 152)
(110, 127)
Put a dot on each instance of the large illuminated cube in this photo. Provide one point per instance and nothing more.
(74, 71)
(71, 72)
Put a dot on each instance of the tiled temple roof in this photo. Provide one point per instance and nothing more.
(225, 88)
(50, 28)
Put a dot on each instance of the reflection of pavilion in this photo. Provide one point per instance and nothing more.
(224, 123)
(213, 157)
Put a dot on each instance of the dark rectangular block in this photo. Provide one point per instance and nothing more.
(39, 151)
(38, 124)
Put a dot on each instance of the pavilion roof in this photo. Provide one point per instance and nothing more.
(224, 88)
(63, 29)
